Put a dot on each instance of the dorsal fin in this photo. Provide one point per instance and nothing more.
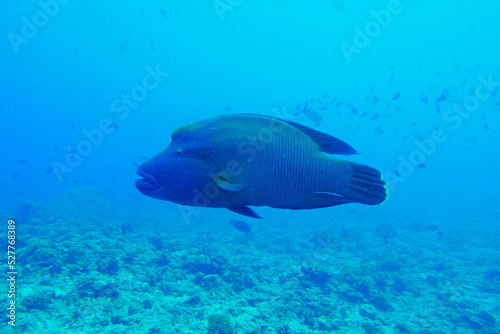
(326, 143)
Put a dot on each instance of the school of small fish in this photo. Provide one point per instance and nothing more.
(377, 105)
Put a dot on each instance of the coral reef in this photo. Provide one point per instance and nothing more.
(219, 324)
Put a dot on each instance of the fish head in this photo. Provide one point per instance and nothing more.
(177, 173)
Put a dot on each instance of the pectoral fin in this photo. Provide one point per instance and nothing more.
(226, 185)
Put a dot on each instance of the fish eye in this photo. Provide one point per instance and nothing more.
(179, 152)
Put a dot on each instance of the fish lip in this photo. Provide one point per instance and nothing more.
(148, 182)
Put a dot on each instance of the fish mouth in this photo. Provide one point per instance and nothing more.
(148, 183)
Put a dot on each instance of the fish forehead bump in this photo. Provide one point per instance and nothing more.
(230, 129)
(201, 128)
(251, 125)
(222, 122)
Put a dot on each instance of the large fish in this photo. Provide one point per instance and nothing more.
(241, 160)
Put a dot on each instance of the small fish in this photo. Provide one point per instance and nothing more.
(339, 5)
(72, 126)
(345, 233)
(311, 114)
(424, 99)
(143, 157)
(123, 46)
(152, 45)
(442, 97)
(396, 96)
(326, 95)
(241, 226)
(421, 165)
(432, 227)
(49, 170)
(462, 84)
(113, 126)
(14, 175)
(227, 109)
(163, 13)
(21, 161)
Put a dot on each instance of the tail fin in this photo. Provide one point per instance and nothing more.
(367, 186)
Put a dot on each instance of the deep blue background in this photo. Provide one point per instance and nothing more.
(257, 55)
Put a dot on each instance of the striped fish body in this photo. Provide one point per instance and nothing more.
(281, 164)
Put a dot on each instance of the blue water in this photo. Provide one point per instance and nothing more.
(89, 91)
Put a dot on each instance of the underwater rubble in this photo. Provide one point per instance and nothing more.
(92, 271)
